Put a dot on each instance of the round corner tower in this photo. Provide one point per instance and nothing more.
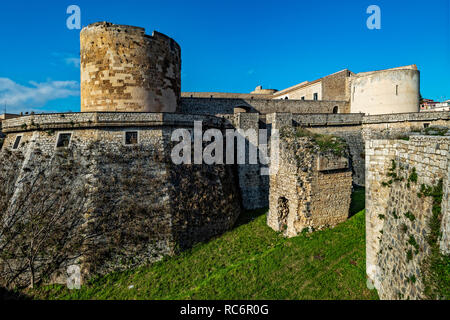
(125, 70)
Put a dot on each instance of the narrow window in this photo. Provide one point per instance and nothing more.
(131, 137)
(396, 90)
(303, 98)
(426, 125)
(17, 142)
(63, 140)
(336, 109)
(316, 96)
(283, 213)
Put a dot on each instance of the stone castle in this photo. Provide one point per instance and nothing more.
(131, 98)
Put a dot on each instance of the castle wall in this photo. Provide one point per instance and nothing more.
(386, 92)
(124, 70)
(226, 106)
(226, 95)
(357, 129)
(310, 190)
(170, 207)
(336, 86)
(395, 213)
(254, 186)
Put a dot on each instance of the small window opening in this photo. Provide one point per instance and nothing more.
(303, 98)
(17, 142)
(283, 212)
(316, 96)
(131, 137)
(396, 90)
(63, 140)
(286, 98)
(426, 125)
(336, 109)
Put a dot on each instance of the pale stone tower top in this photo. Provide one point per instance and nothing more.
(125, 70)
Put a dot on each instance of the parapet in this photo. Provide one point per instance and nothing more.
(125, 70)
(95, 120)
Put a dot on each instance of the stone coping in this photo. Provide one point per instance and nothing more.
(86, 120)
(412, 116)
(412, 139)
(128, 119)
(325, 119)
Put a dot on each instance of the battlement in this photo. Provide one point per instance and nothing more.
(131, 31)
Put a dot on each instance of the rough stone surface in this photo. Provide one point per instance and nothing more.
(178, 206)
(394, 212)
(122, 69)
(311, 189)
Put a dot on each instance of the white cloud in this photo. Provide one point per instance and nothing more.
(72, 62)
(33, 97)
(67, 58)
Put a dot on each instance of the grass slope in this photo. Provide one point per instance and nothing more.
(249, 262)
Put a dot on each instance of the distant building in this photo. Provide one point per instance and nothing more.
(429, 105)
(6, 116)
(387, 91)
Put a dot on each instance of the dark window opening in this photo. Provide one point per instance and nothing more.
(286, 98)
(17, 142)
(303, 98)
(336, 109)
(283, 213)
(63, 140)
(131, 137)
(316, 96)
(396, 90)
(426, 125)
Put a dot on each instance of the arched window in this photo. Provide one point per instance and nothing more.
(336, 109)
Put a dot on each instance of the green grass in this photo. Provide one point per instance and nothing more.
(249, 262)
(326, 143)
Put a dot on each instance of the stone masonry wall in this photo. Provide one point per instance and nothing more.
(174, 206)
(217, 106)
(396, 218)
(311, 189)
(357, 129)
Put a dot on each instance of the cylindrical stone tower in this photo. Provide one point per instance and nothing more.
(125, 70)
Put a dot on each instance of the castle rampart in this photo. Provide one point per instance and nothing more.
(125, 159)
(312, 187)
(218, 106)
(406, 188)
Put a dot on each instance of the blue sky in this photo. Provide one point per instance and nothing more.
(227, 45)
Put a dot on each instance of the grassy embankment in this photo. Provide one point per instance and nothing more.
(249, 262)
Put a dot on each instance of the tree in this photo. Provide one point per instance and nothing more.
(93, 206)
(41, 213)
